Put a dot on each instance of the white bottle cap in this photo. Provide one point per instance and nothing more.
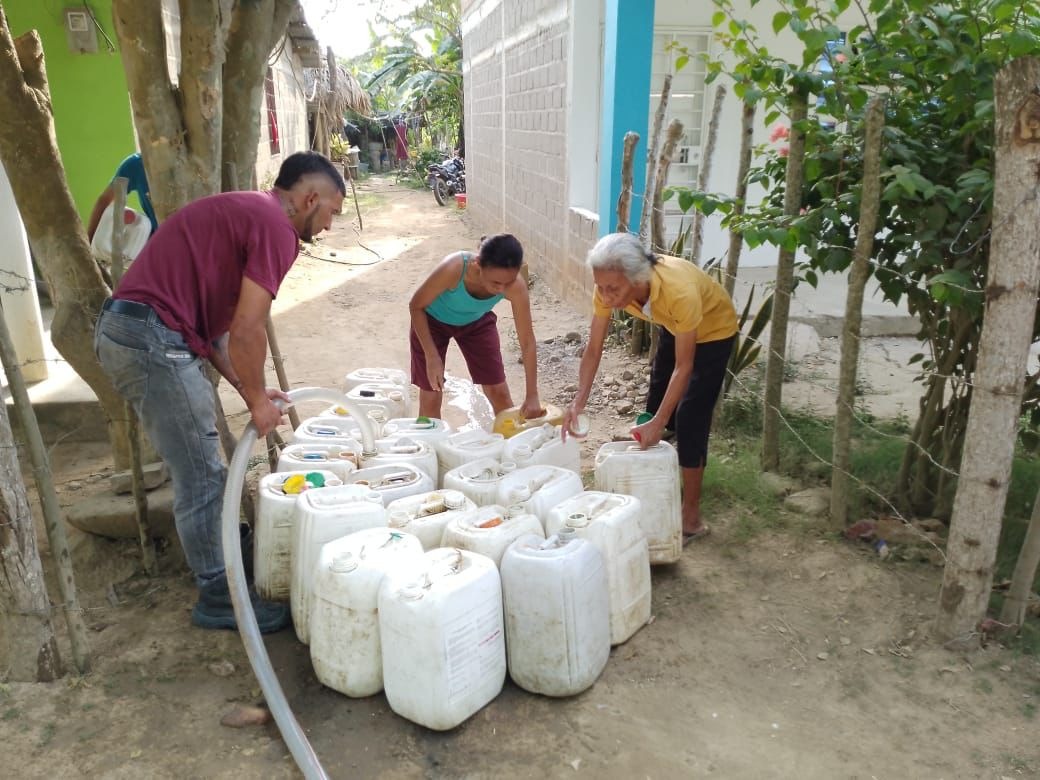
(453, 499)
(344, 562)
(399, 518)
(577, 520)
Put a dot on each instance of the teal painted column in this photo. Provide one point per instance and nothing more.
(628, 41)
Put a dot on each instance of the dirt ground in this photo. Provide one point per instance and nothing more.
(789, 655)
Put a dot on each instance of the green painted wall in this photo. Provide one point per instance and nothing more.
(92, 116)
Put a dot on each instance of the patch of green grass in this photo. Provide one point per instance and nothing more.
(983, 685)
(1029, 710)
(732, 487)
(46, 735)
(11, 713)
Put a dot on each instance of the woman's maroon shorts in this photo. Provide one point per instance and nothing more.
(478, 342)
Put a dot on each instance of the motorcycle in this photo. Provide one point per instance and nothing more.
(447, 179)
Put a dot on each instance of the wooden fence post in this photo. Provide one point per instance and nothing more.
(782, 292)
(870, 198)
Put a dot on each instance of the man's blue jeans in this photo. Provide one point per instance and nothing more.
(165, 382)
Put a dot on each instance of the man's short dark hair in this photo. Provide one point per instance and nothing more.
(298, 165)
(501, 250)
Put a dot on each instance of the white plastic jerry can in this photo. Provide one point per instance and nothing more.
(539, 488)
(443, 642)
(392, 481)
(478, 480)
(543, 446)
(466, 446)
(403, 450)
(379, 376)
(489, 530)
(610, 522)
(319, 517)
(391, 399)
(340, 459)
(428, 429)
(425, 515)
(344, 620)
(557, 613)
(326, 430)
(652, 476)
(272, 537)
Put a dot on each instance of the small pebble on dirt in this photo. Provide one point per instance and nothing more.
(845, 641)
(626, 375)
(243, 715)
(222, 668)
(823, 656)
(1005, 668)
(572, 337)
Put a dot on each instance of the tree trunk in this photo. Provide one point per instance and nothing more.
(180, 128)
(28, 650)
(624, 203)
(255, 29)
(53, 519)
(705, 171)
(1011, 291)
(1014, 610)
(782, 292)
(29, 153)
(736, 238)
(860, 272)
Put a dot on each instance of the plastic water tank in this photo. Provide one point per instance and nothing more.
(489, 530)
(340, 459)
(652, 476)
(403, 450)
(546, 448)
(478, 480)
(344, 620)
(467, 446)
(273, 533)
(539, 489)
(319, 517)
(443, 641)
(557, 613)
(391, 399)
(425, 515)
(610, 522)
(392, 481)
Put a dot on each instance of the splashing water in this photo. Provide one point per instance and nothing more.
(462, 395)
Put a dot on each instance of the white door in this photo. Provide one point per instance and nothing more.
(686, 104)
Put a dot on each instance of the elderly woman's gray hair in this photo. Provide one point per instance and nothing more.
(622, 252)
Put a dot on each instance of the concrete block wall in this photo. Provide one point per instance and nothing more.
(515, 70)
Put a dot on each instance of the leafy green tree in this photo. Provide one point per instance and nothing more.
(935, 64)
(418, 66)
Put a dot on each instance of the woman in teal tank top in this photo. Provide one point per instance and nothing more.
(456, 302)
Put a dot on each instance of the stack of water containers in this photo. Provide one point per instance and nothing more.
(432, 562)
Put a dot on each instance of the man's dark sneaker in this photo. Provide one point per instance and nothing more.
(214, 610)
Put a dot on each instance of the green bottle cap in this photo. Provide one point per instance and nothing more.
(644, 417)
(316, 478)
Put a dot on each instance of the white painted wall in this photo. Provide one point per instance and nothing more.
(21, 306)
(584, 93)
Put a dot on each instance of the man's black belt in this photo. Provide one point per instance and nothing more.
(139, 311)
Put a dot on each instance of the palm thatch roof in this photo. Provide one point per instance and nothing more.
(335, 91)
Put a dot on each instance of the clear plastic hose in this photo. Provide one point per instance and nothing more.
(299, 747)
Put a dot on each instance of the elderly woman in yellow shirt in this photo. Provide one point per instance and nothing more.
(699, 325)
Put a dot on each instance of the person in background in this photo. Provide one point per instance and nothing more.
(201, 289)
(698, 328)
(132, 169)
(456, 302)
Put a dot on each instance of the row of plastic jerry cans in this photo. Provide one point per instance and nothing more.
(543, 445)
(439, 629)
(285, 558)
(388, 391)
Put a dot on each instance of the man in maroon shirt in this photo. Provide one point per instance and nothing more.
(201, 290)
